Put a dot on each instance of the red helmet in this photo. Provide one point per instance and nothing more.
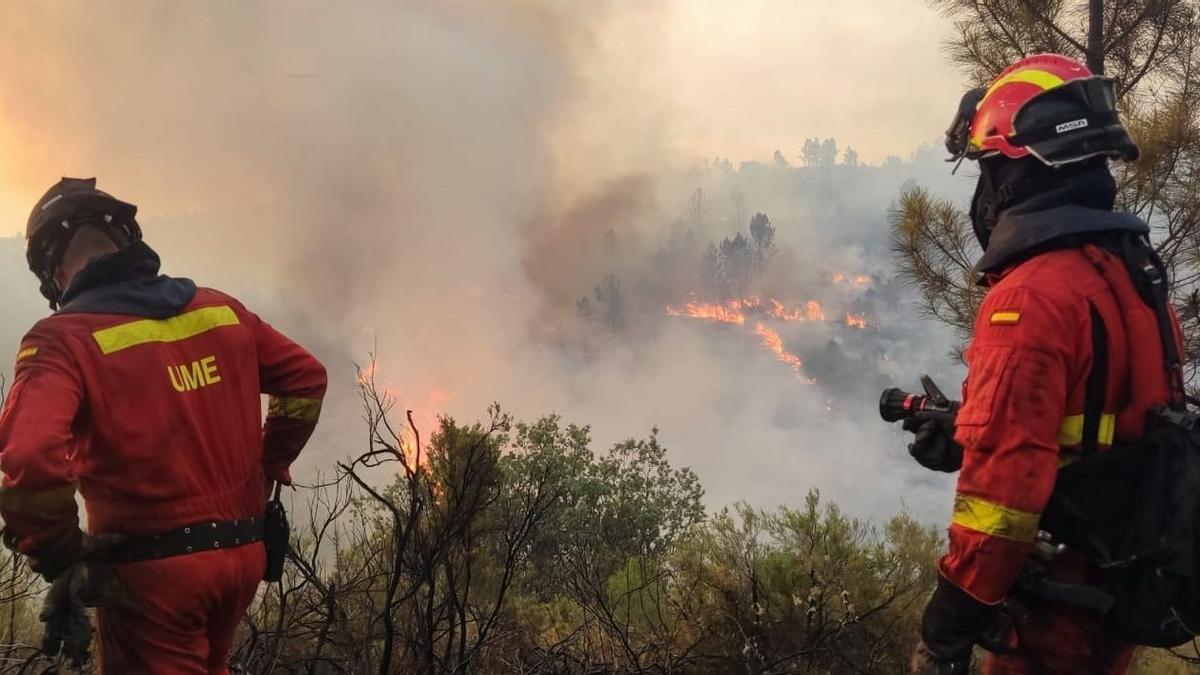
(1049, 106)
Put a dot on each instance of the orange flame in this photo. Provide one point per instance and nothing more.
(365, 375)
(858, 280)
(811, 311)
(736, 311)
(773, 342)
(425, 409)
(728, 312)
(789, 314)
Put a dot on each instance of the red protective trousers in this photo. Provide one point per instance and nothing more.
(184, 612)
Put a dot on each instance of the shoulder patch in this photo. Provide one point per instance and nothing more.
(26, 353)
(1005, 318)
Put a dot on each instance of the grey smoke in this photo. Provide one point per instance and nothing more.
(401, 196)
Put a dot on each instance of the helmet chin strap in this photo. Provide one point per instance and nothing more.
(50, 290)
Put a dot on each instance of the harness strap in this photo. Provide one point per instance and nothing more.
(1097, 384)
(1145, 266)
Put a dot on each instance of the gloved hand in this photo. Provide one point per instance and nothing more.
(952, 624)
(934, 447)
(67, 628)
(60, 554)
(925, 662)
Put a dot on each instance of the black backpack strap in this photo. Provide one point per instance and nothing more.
(1142, 261)
(1097, 384)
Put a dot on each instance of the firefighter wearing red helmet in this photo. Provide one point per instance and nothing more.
(1065, 360)
(141, 392)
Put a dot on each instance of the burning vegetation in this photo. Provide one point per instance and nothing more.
(749, 279)
(774, 343)
(737, 312)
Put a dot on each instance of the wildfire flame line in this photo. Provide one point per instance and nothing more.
(728, 312)
(858, 280)
(737, 311)
(772, 341)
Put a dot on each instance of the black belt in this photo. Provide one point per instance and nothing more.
(208, 535)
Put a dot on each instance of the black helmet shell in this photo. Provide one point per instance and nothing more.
(67, 205)
(1074, 122)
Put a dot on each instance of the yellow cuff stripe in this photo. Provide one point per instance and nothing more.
(294, 407)
(177, 328)
(53, 503)
(1070, 432)
(993, 519)
(26, 353)
(1005, 318)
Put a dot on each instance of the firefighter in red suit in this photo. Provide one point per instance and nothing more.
(1065, 359)
(142, 392)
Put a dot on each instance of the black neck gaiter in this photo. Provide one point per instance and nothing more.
(1029, 185)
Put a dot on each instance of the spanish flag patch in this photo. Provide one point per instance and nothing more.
(27, 352)
(1007, 318)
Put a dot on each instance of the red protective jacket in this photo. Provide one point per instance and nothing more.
(1023, 401)
(156, 420)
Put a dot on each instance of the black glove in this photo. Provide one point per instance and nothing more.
(67, 628)
(934, 447)
(63, 551)
(953, 622)
(64, 610)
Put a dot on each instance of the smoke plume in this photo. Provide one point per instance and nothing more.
(446, 184)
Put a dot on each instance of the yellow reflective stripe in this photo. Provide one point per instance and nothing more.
(186, 325)
(1108, 429)
(1032, 76)
(27, 352)
(1070, 432)
(1005, 318)
(990, 518)
(294, 407)
(53, 503)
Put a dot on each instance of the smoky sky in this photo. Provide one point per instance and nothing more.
(441, 183)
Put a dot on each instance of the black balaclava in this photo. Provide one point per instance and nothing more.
(1005, 183)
